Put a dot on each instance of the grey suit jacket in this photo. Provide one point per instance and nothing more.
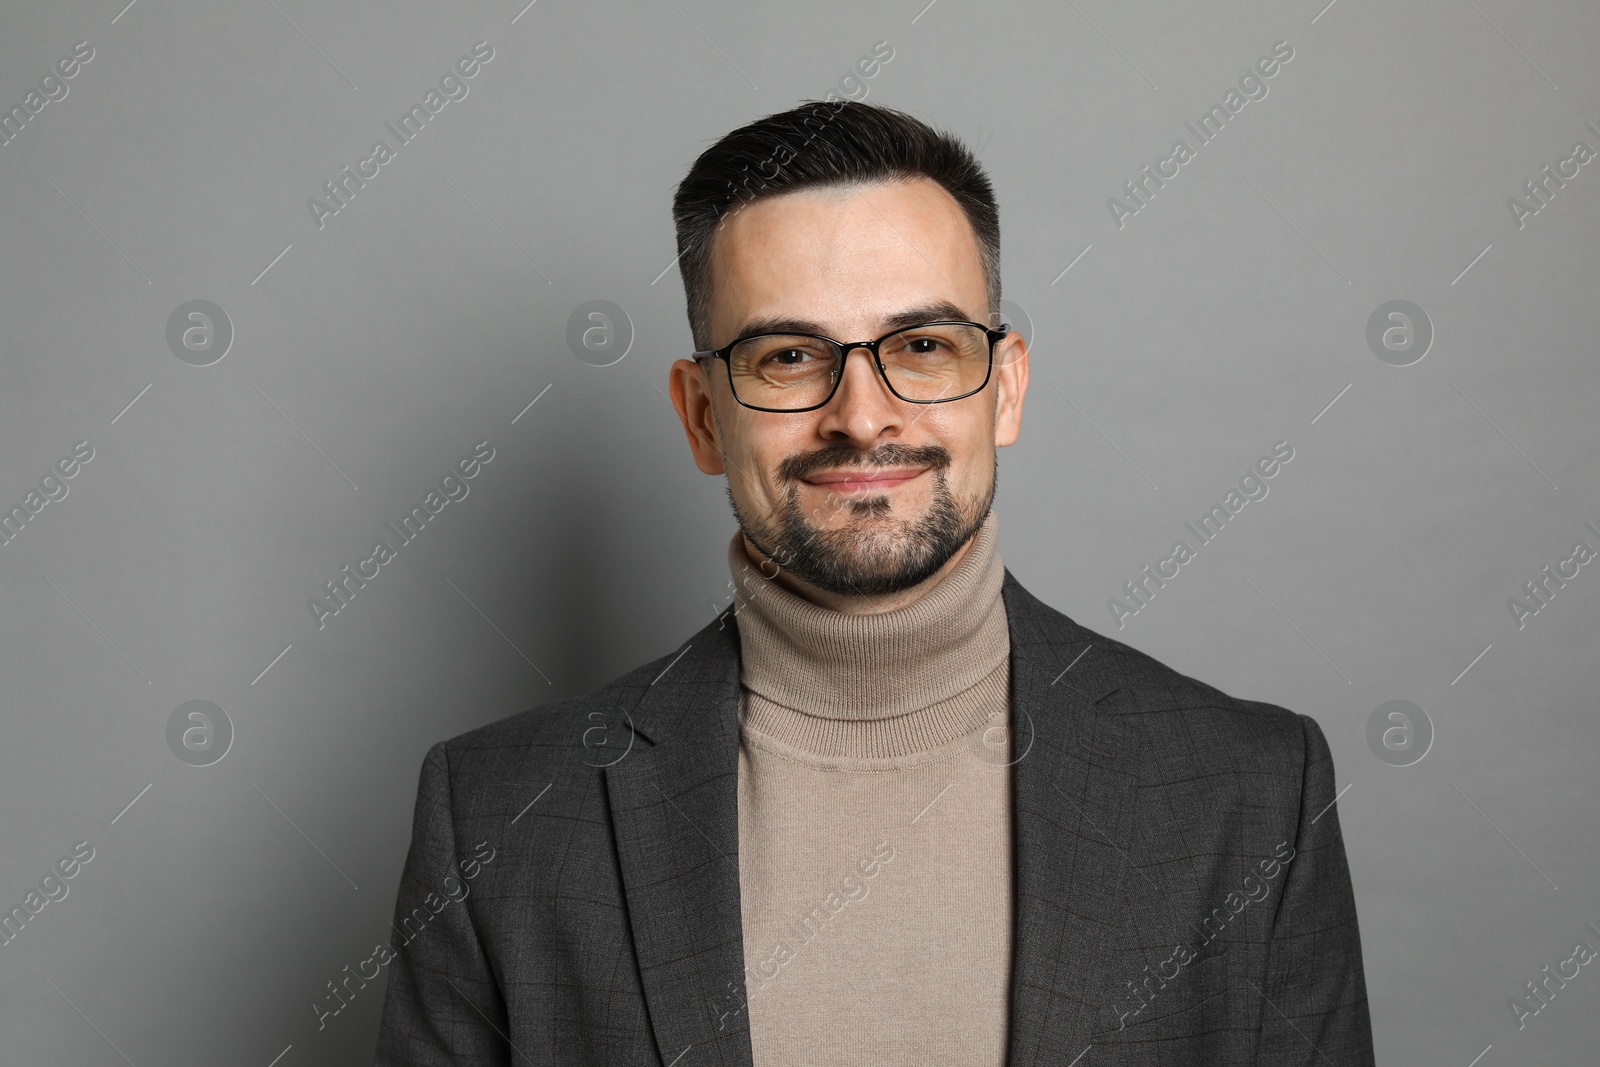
(571, 894)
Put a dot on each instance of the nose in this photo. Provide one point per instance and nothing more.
(863, 408)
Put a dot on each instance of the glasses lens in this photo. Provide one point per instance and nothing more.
(783, 371)
(936, 362)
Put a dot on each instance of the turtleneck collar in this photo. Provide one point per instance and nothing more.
(833, 665)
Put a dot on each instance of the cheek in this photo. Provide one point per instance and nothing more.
(970, 442)
(755, 448)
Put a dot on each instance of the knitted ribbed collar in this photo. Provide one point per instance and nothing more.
(835, 665)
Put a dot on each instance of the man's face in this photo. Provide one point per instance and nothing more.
(869, 494)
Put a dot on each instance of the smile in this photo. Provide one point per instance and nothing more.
(847, 481)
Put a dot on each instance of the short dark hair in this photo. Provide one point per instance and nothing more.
(822, 143)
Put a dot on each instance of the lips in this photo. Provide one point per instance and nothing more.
(850, 481)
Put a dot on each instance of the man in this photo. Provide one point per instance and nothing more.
(888, 808)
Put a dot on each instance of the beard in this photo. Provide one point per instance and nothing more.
(873, 552)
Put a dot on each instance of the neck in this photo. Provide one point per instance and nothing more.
(843, 602)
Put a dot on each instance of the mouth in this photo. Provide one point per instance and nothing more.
(858, 481)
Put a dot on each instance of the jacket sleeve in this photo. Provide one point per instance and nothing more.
(443, 1007)
(1315, 995)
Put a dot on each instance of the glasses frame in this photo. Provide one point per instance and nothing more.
(725, 353)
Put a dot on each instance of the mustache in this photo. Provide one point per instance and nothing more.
(795, 468)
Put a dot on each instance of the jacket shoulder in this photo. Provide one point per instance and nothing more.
(1163, 702)
(557, 732)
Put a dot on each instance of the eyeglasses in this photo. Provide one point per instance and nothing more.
(931, 363)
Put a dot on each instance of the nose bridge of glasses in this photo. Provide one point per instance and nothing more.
(845, 348)
(874, 362)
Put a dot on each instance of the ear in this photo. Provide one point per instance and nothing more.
(690, 385)
(1010, 385)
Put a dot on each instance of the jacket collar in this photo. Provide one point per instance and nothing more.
(674, 811)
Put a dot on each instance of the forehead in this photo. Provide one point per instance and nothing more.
(847, 258)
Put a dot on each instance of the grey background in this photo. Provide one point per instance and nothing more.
(1228, 314)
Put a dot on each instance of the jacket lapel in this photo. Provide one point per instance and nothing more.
(1074, 796)
(674, 811)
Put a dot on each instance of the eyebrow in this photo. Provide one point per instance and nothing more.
(934, 311)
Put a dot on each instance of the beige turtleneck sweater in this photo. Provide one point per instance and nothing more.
(875, 822)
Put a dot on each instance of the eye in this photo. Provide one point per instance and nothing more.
(786, 355)
(789, 357)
